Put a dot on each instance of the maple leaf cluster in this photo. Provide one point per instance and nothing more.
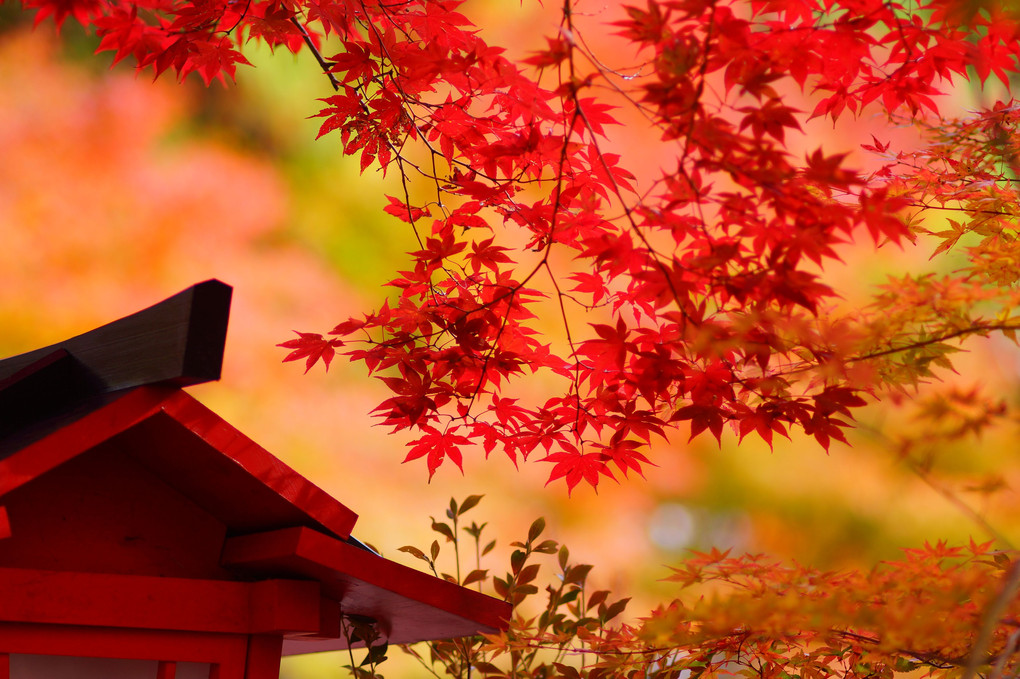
(704, 284)
(708, 278)
(937, 611)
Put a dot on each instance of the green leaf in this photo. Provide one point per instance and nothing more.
(523, 592)
(597, 598)
(469, 502)
(569, 596)
(414, 551)
(375, 655)
(443, 529)
(487, 668)
(905, 665)
(517, 560)
(528, 573)
(567, 671)
(576, 574)
(536, 529)
(474, 530)
(478, 575)
(614, 610)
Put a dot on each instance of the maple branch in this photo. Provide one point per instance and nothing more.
(428, 667)
(990, 620)
(567, 133)
(957, 502)
(628, 212)
(575, 384)
(734, 644)
(399, 158)
(310, 44)
(1011, 648)
(963, 332)
(699, 90)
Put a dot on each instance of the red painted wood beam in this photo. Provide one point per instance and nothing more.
(409, 605)
(226, 652)
(263, 660)
(79, 436)
(300, 493)
(143, 602)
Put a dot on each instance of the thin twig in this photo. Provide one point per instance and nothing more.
(315, 52)
(990, 620)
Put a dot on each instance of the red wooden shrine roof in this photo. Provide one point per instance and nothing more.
(102, 415)
(189, 447)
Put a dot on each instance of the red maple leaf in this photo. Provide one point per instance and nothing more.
(312, 347)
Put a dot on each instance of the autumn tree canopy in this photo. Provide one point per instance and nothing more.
(705, 280)
(687, 297)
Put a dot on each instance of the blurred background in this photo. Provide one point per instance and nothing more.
(117, 192)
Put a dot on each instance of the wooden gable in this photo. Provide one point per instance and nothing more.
(126, 506)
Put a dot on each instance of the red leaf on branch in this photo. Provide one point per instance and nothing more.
(436, 447)
(312, 347)
(274, 26)
(702, 418)
(82, 10)
(404, 212)
(574, 466)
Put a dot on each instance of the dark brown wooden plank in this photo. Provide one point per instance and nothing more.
(53, 383)
(57, 360)
(177, 341)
